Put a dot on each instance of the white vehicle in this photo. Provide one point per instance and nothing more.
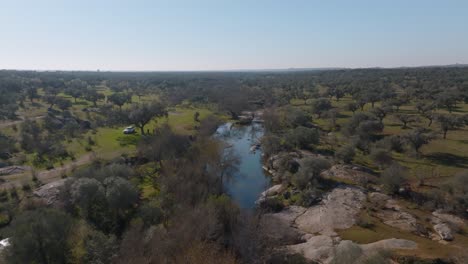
(129, 130)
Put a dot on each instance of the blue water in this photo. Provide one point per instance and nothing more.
(250, 180)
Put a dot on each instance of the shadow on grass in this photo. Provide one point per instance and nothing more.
(80, 103)
(448, 159)
(128, 140)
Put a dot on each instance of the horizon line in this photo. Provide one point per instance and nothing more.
(462, 65)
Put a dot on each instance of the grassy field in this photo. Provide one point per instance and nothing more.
(427, 248)
(440, 159)
(107, 142)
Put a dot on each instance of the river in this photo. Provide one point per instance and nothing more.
(250, 180)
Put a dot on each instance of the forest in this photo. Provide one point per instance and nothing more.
(364, 166)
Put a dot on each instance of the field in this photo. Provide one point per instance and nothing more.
(102, 143)
(439, 160)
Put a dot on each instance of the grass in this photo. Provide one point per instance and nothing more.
(445, 156)
(427, 248)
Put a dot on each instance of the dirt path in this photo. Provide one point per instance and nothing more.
(16, 122)
(45, 176)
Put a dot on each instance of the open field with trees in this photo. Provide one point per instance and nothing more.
(385, 149)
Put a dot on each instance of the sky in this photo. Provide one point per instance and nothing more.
(176, 35)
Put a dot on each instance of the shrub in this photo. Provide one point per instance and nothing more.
(271, 204)
(346, 153)
(309, 172)
(392, 178)
(381, 157)
(26, 187)
(303, 137)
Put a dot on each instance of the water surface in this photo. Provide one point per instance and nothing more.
(250, 180)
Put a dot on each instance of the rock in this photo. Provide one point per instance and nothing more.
(444, 231)
(289, 214)
(347, 174)
(389, 244)
(399, 219)
(317, 248)
(446, 224)
(279, 225)
(324, 249)
(13, 170)
(49, 192)
(339, 210)
(452, 220)
(391, 213)
(4, 243)
(273, 190)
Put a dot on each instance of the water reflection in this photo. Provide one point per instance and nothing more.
(249, 181)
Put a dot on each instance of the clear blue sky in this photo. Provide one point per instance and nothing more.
(230, 34)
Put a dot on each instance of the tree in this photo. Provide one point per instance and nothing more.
(63, 103)
(99, 248)
(120, 193)
(449, 122)
(417, 138)
(337, 92)
(381, 157)
(196, 117)
(141, 114)
(346, 153)
(92, 95)
(392, 178)
(353, 107)
(406, 119)
(363, 125)
(426, 110)
(165, 144)
(40, 236)
(448, 99)
(381, 112)
(309, 172)
(32, 94)
(89, 195)
(50, 99)
(302, 137)
(321, 105)
(7, 146)
(119, 99)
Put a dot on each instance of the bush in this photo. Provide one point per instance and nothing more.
(309, 172)
(303, 137)
(271, 204)
(309, 197)
(381, 157)
(26, 187)
(346, 154)
(91, 141)
(392, 178)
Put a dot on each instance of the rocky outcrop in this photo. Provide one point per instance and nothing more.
(445, 225)
(398, 219)
(391, 213)
(13, 170)
(348, 173)
(317, 248)
(389, 244)
(311, 231)
(272, 191)
(339, 210)
(50, 192)
(324, 249)
(444, 231)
